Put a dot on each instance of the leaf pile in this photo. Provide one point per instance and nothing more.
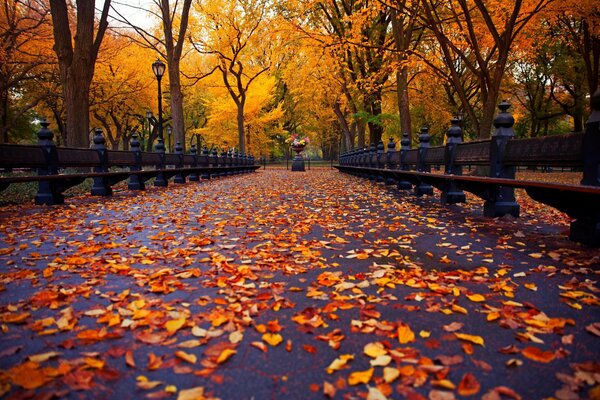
(292, 285)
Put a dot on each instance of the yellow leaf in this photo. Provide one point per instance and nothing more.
(360, 377)
(189, 344)
(470, 338)
(175, 324)
(390, 374)
(236, 337)
(477, 298)
(272, 338)
(173, 389)
(493, 316)
(531, 286)
(196, 393)
(94, 363)
(225, 355)
(405, 334)
(381, 361)
(40, 358)
(191, 358)
(459, 309)
(443, 383)
(339, 363)
(374, 350)
(535, 255)
(424, 334)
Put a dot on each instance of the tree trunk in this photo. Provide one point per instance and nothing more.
(360, 133)
(487, 117)
(346, 132)
(240, 126)
(177, 117)
(376, 127)
(4, 117)
(403, 102)
(77, 103)
(76, 61)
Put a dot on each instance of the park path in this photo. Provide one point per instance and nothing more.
(281, 285)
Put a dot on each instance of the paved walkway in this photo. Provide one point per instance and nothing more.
(281, 285)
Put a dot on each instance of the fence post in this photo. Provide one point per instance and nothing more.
(48, 191)
(372, 161)
(501, 200)
(180, 177)
(451, 193)
(194, 174)
(380, 160)
(391, 150)
(214, 162)
(422, 166)
(100, 186)
(404, 148)
(586, 228)
(160, 179)
(136, 182)
(205, 162)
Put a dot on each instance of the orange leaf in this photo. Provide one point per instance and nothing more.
(405, 334)
(28, 375)
(129, 360)
(469, 385)
(535, 354)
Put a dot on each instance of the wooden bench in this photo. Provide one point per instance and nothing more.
(411, 168)
(108, 167)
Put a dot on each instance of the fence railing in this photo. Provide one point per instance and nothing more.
(410, 169)
(108, 167)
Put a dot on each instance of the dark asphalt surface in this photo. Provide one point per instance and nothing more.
(106, 292)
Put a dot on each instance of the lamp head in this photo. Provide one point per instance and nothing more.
(158, 67)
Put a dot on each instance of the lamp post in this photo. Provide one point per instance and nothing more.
(158, 67)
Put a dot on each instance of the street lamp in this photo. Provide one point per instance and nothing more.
(158, 67)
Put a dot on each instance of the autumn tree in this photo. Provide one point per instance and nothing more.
(476, 37)
(356, 34)
(169, 44)
(121, 89)
(236, 34)
(77, 56)
(25, 60)
(407, 33)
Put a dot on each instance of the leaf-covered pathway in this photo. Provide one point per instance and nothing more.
(281, 285)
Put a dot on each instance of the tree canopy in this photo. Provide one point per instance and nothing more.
(247, 74)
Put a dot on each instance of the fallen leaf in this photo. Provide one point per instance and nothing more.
(190, 358)
(535, 354)
(196, 393)
(374, 349)
(360, 377)
(273, 339)
(468, 385)
(470, 338)
(405, 334)
(225, 355)
(174, 325)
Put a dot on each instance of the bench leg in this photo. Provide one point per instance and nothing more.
(586, 231)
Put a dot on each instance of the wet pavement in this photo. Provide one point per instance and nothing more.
(281, 285)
